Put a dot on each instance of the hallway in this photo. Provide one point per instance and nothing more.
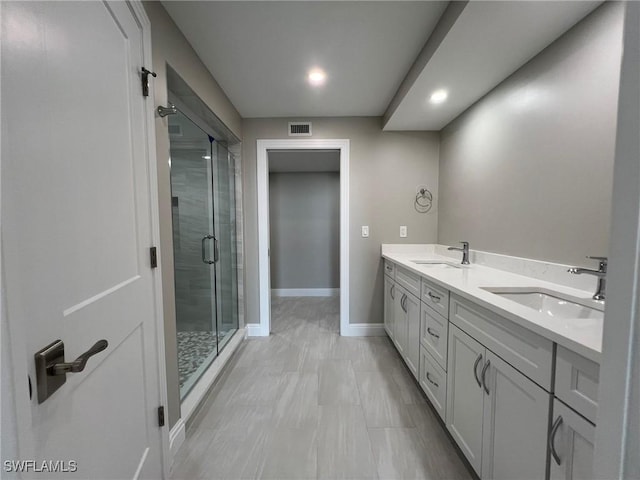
(306, 403)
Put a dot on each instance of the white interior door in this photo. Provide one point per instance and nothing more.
(77, 227)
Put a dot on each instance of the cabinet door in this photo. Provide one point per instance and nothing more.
(433, 334)
(389, 305)
(514, 427)
(465, 395)
(433, 380)
(400, 320)
(412, 346)
(572, 441)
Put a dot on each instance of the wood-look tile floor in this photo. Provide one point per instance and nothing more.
(306, 403)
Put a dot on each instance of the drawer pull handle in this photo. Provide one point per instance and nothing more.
(432, 333)
(552, 439)
(475, 370)
(392, 292)
(433, 297)
(431, 381)
(484, 374)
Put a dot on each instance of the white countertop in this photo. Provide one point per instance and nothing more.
(583, 336)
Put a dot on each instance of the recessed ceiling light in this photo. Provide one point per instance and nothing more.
(317, 77)
(438, 96)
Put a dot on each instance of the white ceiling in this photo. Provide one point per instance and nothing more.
(288, 161)
(488, 42)
(260, 53)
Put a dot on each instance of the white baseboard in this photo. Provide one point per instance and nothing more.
(364, 330)
(177, 436)
(305, 292)
(199, 391)
(255, 330)
(352, 330)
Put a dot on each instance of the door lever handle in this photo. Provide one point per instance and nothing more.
(79, 363)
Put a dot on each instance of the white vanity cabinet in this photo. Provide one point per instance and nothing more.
(517, 405)
(574, 415)
(433, 380)
(570, 444)
(399, 321)
(433, 335)
(389, 306)
(402, 313)
(412, 305)
(465, 397)
(497, 416)
(577, 382)
(514, 430)
(407, 328)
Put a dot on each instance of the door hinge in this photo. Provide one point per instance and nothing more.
(161, 416)
(145, 80)
(153, 256)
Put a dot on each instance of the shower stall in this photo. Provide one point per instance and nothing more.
(204, 243)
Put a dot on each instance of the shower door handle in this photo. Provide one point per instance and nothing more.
(204, 249)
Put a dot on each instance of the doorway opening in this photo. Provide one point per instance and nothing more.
(291, 252)
(304, 237)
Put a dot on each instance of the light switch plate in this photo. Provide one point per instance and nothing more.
(403, 231)
(365, 231)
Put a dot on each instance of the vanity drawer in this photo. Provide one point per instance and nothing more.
(577, 380)
(524, 350)
(409, 280)
(433, 380)
(435, 297)
(390, 268)
(433, 335)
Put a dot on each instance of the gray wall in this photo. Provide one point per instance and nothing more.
(527, 171)
(304, 224)
(385, 169)
(170, 47)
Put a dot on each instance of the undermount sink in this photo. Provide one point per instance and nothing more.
(551, 303)
(435, 263)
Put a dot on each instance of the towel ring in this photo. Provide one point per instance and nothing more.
(423, 201)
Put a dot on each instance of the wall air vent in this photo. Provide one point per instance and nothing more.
(175, 131)
(299, 129)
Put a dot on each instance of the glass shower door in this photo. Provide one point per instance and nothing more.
(225, 228)
(194, 249)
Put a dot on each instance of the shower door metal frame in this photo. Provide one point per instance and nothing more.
(207, 246)
(212, 177)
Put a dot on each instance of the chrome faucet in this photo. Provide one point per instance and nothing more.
(601, 273)
(464, 250)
